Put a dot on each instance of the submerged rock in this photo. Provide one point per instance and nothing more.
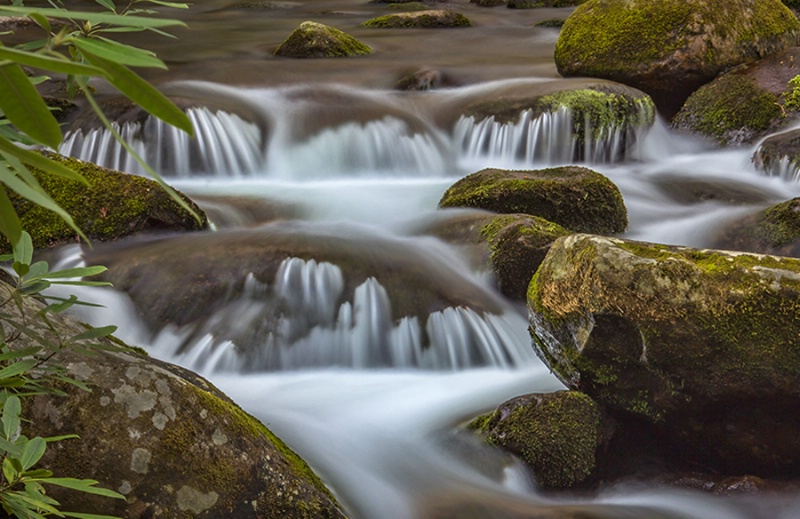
(574, 197)
(164, 437)
(555, 434)
(430, 19)
(114, 205)
(701, 344)
(669, 48)
(775, 230)
(315, 40)
(532, 4)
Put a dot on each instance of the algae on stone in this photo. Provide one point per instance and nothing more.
(429, 19)
(114, 205)
(574, 197)
(555, 434)
(315, 40)
(692, 341)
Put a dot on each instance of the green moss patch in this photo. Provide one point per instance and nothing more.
(429, 19)
(315, 40)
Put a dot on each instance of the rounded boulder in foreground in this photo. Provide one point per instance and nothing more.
(574, 197)
(669, 48)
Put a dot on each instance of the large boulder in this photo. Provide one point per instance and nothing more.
(775, 230)
(556, 434)
(670, 48)
(316, 40)
(162, 436)
(574, 197)
(701, 344)
(112, 206)
(429, 19)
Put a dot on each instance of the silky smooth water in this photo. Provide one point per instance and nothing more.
(330, 147)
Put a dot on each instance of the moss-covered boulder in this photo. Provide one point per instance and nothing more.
(556, 434)
(669, 48)
(733, 109)
(112, 206)
(512, 246)
(779, 155)
(603, 119)
(775, 230)
(316, 40)
(701, 344)
(165, 438)
(574, 197)
(429, 19)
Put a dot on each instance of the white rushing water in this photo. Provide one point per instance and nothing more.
(380, 430)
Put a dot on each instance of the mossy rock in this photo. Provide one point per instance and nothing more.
(430, 19)
(488, 3)
(574, 197)
(114, 205)
(512, 246)
(315, 40)
(603, 113)
(164, 437)
(533, 4)
(733, 109)
(775, 230)
(669, 48)
(556, 434)
(554, 23)
(702, 344)
(779, 155)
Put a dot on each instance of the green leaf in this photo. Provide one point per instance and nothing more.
(18, 354)
(118, 52)
(10, 225)
(174, 5)
(10, 447)
(37, 270)
(50, 439)
(24, 107)
(56, 64)
(143, 94)
(23, 249)
(32, 453)
(94, 18)
(95, 333)
(66, 304)
(38, 473)
(42, 21)
(12, 370)
(77, 272)
(9, 471)
(108, 4)
(82, 485)
(11, 410)
(42, 162)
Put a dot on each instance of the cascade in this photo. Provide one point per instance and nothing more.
(784, 168)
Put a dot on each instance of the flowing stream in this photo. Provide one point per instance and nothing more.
(364, 377)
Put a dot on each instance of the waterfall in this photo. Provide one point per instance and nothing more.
(552, 137)
(300, 322)
(224, 144)
(784, 168)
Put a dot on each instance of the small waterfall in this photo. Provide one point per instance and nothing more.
(784, 168)
(300, 322)
(554, 137)
(224, 145)
(383, 145)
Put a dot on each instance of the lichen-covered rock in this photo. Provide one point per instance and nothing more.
(512, 246)
(669, 48)
(775, 230)
(165, 438)
(779, 155)
(114, 205)
(602, 119)
(430, 19)
(574, 197)
(316, 40)
(732, 109)
(555, 434)
(702, 344)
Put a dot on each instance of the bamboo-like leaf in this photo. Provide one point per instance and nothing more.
(37, 270)
(43, 22)
(42, 162)
(10, 447)
(13, 370)
(24, 107)
(118, 52)
(23, 249)
(66, 304)
(77, 272)
(32, 453)
(108, 4)
(10, 225)
(18, 354)
(95, 333)
(174, 5)
(9, 470)
(83, 485)
(11, 410)
(46, 62)
(94, 18)
(143, 94)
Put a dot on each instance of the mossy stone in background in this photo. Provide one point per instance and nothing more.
(316, 40)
